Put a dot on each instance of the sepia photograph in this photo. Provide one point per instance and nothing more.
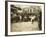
(25, 18)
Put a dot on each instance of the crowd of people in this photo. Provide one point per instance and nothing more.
(23, 17)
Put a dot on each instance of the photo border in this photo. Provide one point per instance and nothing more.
(6, 18)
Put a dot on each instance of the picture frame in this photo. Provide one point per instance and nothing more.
(10, 24)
